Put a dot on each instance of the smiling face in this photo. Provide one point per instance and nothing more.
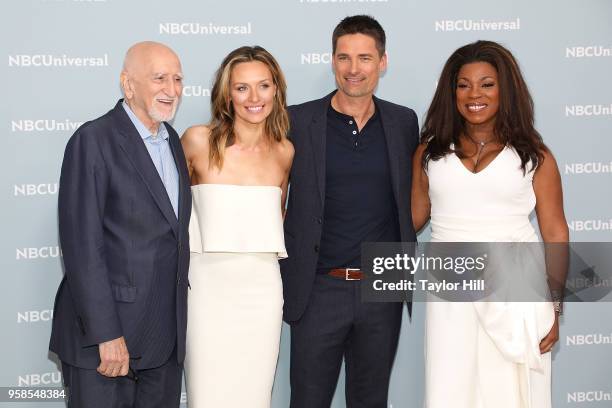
(357, 65)
(477, 94)
(152, 81)
(252, 92)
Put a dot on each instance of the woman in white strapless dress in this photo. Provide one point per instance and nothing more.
(479, 174)
(239, 166)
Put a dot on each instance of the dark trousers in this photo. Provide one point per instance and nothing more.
(337, 325)
(155, 388)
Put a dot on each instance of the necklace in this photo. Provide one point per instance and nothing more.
(481, 145)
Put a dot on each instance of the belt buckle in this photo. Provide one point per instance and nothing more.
(347, 272)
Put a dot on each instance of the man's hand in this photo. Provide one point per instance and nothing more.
(551, 338)
(114, 358)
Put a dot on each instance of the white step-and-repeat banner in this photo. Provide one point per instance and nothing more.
(61, 67)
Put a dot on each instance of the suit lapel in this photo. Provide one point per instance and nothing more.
(184, 182)
(133, 145)
(318, 131)
(393, 148)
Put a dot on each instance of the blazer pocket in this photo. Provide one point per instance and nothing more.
(125, 294)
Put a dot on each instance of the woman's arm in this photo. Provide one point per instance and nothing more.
(555, 233)
(195, 146)
(288, 152)
(549, 201)
(420, 205)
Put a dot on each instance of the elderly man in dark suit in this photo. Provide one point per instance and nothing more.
(350, 183)
(124, 206)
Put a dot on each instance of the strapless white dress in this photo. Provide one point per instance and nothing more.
(236, 298)
(485, 355)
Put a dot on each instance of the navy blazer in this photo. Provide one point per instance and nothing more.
(304, 218)
(126, 255)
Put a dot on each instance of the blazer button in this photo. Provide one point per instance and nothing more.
(316, 248)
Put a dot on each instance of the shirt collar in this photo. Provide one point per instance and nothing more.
(141, 128)
(344, 117)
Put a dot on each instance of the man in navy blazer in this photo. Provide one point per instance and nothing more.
(120, 312)
(350, 183)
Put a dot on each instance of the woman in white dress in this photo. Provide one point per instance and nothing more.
(480, 171)
(239, 166)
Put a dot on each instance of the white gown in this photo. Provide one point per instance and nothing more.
(236, 298)
(485, 355)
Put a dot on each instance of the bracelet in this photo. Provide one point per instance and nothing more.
(558, 307)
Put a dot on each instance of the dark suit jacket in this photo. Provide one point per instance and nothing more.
(125, 253)
(304, 219)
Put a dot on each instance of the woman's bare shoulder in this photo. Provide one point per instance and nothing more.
(285, 152)
(548, 165)
(196, 138)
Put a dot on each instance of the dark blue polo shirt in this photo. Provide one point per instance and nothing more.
(359, 202)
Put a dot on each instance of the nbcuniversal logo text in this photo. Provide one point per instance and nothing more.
(195, 90)
(589, 396)
(589, 51)
(38, 253)
(314, 58)
(28, 380)
(590, 225)
(588, 110)
(35, 189)
(588, 168)
(44, 125)
(49, 60)
(35, 316)
(578, 283)
(588, 339)
(204, 29)
(477, 25)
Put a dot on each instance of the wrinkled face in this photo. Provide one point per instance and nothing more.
(477, 93)
(357, 65)
(155, 86)
(252, 92)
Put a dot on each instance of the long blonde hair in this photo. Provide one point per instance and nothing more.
(222, 112)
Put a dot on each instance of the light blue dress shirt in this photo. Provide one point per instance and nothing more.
(161, 155)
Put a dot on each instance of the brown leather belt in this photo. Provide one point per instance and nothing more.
(346, 273)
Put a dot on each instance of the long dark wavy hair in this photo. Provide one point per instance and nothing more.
(514, 120)
(222, 112)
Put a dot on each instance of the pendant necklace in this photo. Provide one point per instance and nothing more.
(481, 146)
